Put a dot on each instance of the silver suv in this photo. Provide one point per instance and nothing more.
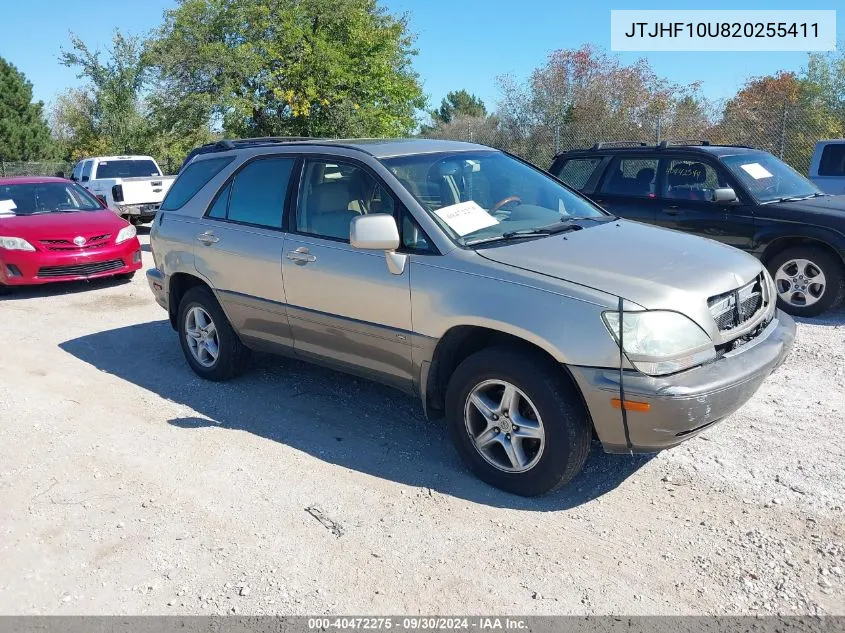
(512, 306)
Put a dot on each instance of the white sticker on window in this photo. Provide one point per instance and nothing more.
(756, 171)
(7, 206)
(465, 217)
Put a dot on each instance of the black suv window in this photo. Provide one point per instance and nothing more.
(689, 179)
(258, 192)
(576, 172)
(633, 176)
(833, 160)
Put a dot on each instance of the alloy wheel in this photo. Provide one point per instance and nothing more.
(201, 335)
(800, 282)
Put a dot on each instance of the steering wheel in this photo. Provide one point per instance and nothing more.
(505, 201)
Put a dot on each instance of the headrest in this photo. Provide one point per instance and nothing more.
(330, 196)
(645, 175)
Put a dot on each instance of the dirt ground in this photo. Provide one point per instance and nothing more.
(129, 486)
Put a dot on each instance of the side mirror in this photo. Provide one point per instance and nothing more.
(102, 201)
(724, 195)
(378, 232)
(84, 179)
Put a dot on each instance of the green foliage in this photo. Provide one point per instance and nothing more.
(288, 67)
(460, 103)
(24, 134)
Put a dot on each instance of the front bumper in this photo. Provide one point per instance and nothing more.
(25, 268)
(684, 404)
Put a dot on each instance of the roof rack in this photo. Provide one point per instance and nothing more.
(607, 144)
(227, 144)
(682, 141)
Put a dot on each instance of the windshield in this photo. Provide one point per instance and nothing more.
(769, 179)
(477, 197)
(126, 168)
(45, 197)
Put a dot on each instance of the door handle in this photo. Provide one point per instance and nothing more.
(208, 238)
(301, 256)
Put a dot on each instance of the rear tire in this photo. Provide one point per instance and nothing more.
(503, 447)
(794, 271)
(215, 351)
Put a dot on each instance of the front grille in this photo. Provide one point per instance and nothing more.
(81, 269)
(97, 241)
(732, 309)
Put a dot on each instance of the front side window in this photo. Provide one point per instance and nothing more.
(46, 197)
(692, 180)
(631, 177)
(769, 179)
(127, 168)
(576, 172)
(833, 160)
(192, 180)
(485, 196)
(332, 194)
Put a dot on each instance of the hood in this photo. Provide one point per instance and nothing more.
(61, 225)
(651, 266)
(828, 211)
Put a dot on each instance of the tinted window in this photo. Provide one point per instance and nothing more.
(126, 169)
(221, 203)
(833, 160)
(334, 193)
(631, 177)
(577, 171)
(192, 180)
(86, 169)
(689, 179)
(77, 171)
(258, 192)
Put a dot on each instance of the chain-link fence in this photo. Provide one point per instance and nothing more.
(48, 168)
(789, 136)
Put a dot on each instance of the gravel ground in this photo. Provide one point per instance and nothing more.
(129, 486)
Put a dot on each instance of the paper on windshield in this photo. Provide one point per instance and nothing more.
(7, 207)
(756, 171)
(465, 217)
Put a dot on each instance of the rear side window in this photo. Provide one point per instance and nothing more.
(576, 172)
(192, 180)
(833, 160)
(631, 177)
(258, 193)
(86, 170)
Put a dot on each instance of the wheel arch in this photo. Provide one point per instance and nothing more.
(780, 244)
(179, 284)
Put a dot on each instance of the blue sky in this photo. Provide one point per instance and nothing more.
(462, 43)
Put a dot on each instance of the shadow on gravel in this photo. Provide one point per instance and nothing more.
(20, 293)
(335, 417)
(833, 318)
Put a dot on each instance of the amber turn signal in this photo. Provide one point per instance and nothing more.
(630, 405)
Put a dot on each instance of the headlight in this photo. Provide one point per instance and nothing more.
(126, 233)
(15, 244)
(660, 342)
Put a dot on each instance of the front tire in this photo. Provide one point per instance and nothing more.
(809, 280)
(210, 344)
(516, 421)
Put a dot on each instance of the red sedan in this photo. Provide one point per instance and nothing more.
(52, 229)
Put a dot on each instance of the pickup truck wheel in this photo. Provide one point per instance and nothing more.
(809, 280)
(516, 421)
(211, 346)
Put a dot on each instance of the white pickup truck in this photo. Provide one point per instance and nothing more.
(131, 185)
(827, 169)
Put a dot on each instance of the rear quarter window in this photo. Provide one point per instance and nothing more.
(190, 181)
(576, 172)
(832, 162)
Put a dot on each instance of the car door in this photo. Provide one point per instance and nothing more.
(627, 187)
(239, 245)
(344, 305)
(686, 202)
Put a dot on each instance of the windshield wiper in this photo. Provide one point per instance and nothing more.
(526, 233)
(594, 218)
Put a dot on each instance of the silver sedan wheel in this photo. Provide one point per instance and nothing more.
(504, 426)
(201, 334)
(800, 282)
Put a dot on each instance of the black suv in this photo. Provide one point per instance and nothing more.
(737, 195)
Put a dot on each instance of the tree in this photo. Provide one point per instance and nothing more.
(24, 134)
(112, 99)
(461, 103)
(289, 67)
